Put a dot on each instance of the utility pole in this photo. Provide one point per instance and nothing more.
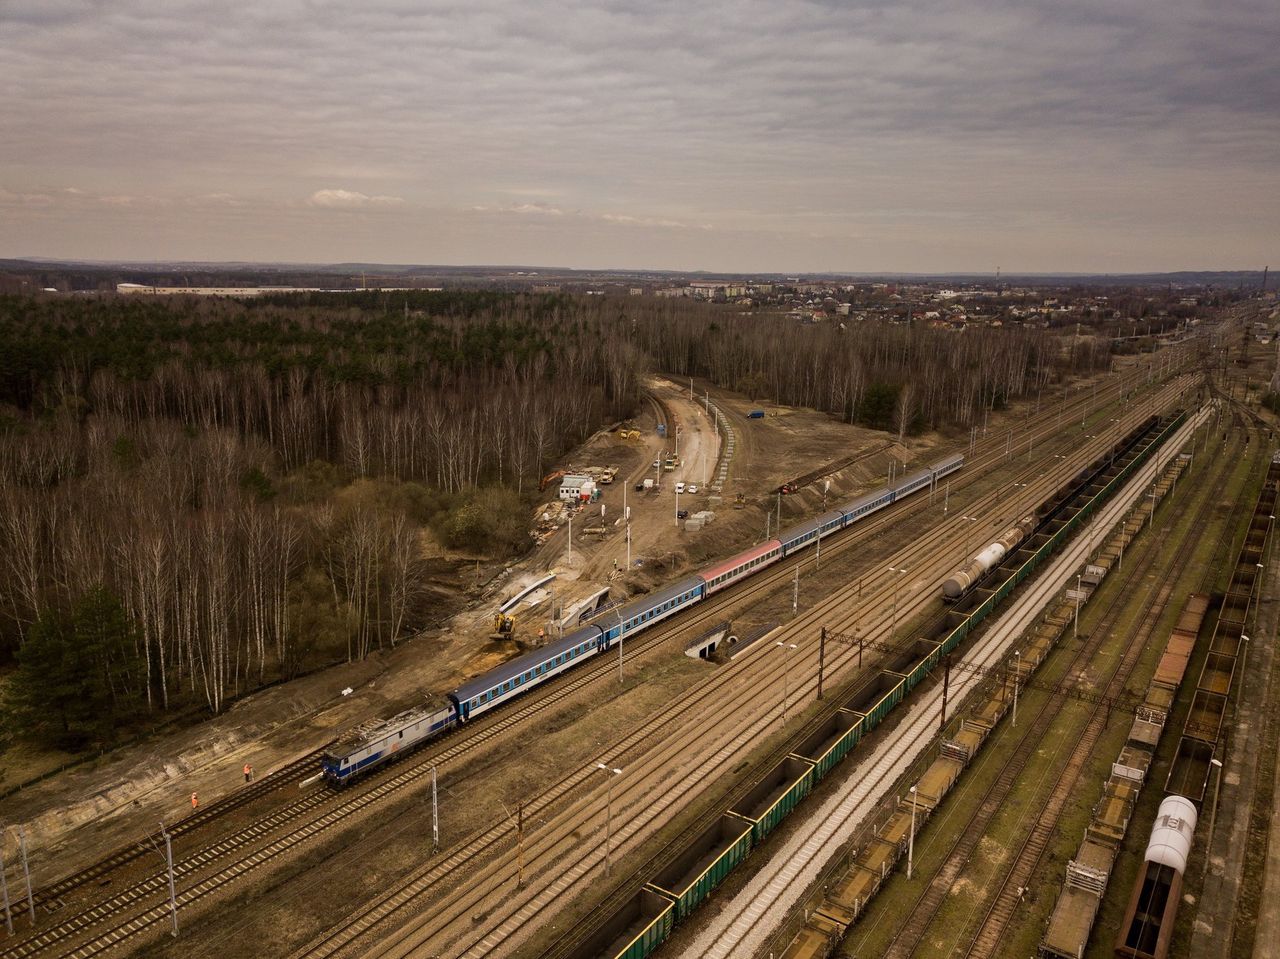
(520, 846)
(608, 821)
(1075, 625)
(1215, 764)
(911, 842)
(570, 537)
(435, 815)
(1017, 678)
(26, 874)
(946, 684)
(4, 888)
(173, 897)
(822, 657)
(786, 676)
(795, 592)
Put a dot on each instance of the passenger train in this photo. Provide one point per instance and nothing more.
(367, 747)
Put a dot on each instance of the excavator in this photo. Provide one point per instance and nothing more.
(504, 627)
(549, 479)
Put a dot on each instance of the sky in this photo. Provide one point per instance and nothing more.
(774, 136)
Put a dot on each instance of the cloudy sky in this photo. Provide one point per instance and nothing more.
(918, 135)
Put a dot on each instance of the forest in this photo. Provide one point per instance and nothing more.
(200, 496)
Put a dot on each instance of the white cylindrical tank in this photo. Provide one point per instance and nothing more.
(958, 583)
(1172, 833)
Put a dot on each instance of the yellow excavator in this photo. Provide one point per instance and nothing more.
(504, 627)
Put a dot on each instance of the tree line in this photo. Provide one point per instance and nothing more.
(200, 496)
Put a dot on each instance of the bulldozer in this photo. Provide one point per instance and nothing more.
(504, 627)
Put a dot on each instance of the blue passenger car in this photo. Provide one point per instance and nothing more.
(512, 678)
(865, 505)
(648, 610)
(802, 534)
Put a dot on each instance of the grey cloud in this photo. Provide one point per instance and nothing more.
(741, 116)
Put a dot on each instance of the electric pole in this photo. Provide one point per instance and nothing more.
(946, 684)
(822, 657)
(26, 874)
(435, 815)
(173, 896)
(4, 887)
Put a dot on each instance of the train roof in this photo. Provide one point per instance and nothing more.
(524, 662)
(360, 736)
(912, 477)
(809, 525)
(948, 461)
(755, 552)
(864, 499)
(656, 598)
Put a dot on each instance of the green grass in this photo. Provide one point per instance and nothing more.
(967, 902)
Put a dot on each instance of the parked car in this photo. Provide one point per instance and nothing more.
(679, 488)
(682, 514)
(640, 487)
(691, 488)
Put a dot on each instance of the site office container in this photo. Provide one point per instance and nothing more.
(704, 863)
(775, 796)
(634, 931)
(876, 697)
(832, 741)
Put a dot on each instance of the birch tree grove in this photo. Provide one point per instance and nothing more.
(220, 494)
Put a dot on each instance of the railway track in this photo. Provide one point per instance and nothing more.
(50, 898)
(780, 883)
(200, 866)
(988, 937)
(472, 904)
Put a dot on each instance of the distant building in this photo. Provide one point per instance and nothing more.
(144, 289)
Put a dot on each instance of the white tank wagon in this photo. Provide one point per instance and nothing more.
(1147, 928)
(1172, 833)
(962, 580)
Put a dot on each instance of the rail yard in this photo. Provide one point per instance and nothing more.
(1037, 633)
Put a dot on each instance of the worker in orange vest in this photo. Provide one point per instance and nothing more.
(195, 801)
(248, 773)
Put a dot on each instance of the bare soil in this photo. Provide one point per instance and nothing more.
(122, 796)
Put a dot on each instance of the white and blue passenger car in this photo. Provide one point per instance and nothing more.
(367, 747)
